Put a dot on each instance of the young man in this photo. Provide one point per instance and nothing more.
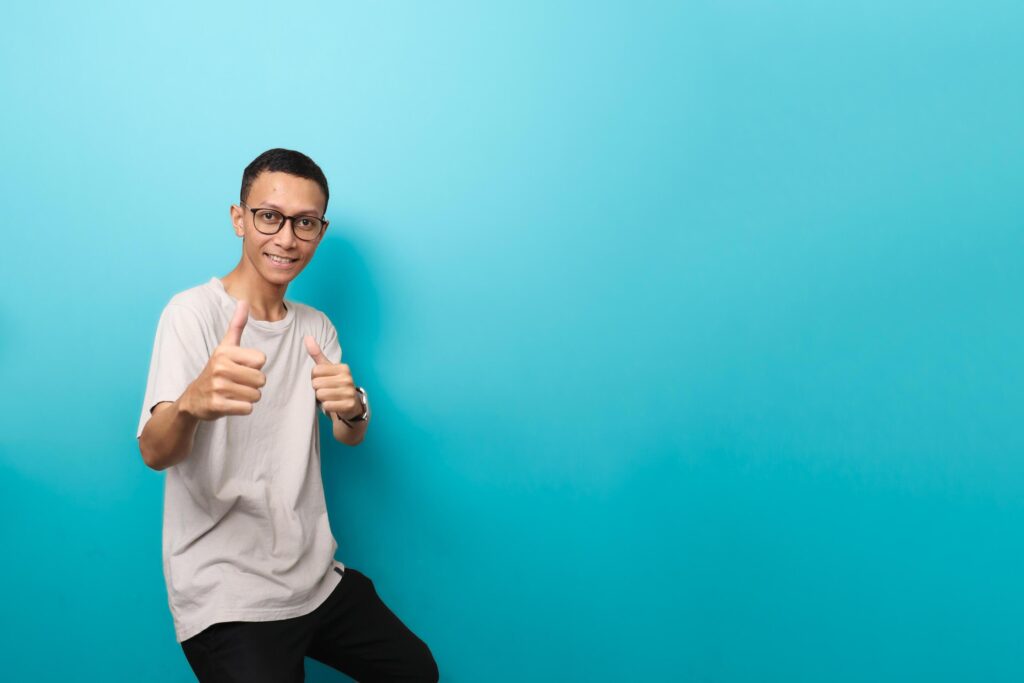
(237, 375)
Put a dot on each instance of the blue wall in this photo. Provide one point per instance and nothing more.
(693, 329)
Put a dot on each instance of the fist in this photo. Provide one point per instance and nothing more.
(230, 383)
(333, 384)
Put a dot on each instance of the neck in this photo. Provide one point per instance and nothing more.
(266, 299)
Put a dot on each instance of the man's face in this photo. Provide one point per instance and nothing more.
(291, 196)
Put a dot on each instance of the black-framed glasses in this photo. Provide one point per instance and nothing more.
(270, 221)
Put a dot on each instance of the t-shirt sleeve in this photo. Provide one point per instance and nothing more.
(330, 346)
(179, 356)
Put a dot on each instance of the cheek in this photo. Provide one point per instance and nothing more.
(256, 245)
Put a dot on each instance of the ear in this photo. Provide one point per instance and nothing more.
(237, 220)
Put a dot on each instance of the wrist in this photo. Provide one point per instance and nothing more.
(364, 412)
(184, 403)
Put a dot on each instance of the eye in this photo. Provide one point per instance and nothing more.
(268, 215)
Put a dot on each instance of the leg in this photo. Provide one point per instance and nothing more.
(361, 637)
(250, 651)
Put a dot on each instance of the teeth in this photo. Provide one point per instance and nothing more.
(278, 259)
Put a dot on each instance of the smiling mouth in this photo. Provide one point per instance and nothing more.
(280, 260)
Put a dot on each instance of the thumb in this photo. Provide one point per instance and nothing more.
(233, 337)
(314, 350)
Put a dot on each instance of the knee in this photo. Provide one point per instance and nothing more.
(426, 668)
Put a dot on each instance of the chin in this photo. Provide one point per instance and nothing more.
(282, 277)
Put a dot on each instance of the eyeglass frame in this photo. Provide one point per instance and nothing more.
(287, 219)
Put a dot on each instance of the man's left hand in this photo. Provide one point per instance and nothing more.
(333, 384)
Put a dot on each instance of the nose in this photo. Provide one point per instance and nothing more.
(285, 237)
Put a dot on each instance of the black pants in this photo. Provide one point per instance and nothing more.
(353, 631)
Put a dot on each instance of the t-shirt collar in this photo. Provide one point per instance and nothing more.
(267, 325)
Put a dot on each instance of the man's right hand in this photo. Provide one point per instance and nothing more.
(230, 382)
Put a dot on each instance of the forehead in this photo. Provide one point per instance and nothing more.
(287, 192)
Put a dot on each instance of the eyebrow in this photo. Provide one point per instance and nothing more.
(302, 212)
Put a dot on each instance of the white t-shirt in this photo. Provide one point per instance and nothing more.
(245, 530)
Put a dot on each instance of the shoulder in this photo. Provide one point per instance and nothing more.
(309, 316)
(199, 299)
(316, 323)
(196, 310)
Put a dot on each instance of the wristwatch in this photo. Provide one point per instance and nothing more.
(366, 409)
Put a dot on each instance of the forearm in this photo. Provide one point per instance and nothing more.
(350, 436)
(167, 437)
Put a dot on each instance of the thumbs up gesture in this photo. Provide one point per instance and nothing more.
(333, 384)
(230, 382)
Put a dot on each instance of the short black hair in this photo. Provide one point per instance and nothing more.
(285, 161)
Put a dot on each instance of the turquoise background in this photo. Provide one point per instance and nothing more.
(693, 330)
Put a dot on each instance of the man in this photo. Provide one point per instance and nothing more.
(237, 375)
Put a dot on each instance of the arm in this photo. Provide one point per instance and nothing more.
(333, 383)
(167, 438)
(227, 385)
(350, 436)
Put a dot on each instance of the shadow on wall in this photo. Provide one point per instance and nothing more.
(339, 282)
(377, 499)
(367, 485)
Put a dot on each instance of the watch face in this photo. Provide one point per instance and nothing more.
(366, 404)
